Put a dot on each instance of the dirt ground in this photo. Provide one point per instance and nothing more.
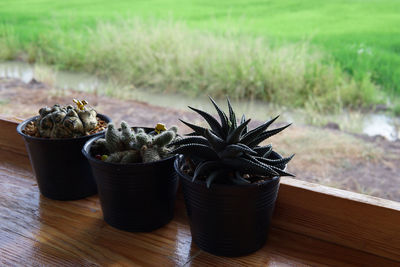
(331, 157)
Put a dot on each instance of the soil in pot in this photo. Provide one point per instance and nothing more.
(228, 220)
(135, 197)
(62, 172)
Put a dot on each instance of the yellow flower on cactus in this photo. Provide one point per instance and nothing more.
(80, 104)
(160, 127)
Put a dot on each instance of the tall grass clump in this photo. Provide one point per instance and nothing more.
(9, 45)
(169, 56)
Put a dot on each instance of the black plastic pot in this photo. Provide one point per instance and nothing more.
(135, 197)
(62, 172)
(228, 220)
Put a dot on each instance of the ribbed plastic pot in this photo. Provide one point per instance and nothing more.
(228, 220)
(62, 172)
(135, 197)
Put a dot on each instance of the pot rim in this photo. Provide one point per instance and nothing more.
(23, 124)
(203, 183)
(88, 144)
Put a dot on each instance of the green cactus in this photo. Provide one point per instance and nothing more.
(149, 154)
(66, 122)
(228, 152)
(129, 146)
(164, 138)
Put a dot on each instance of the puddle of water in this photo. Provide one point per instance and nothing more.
(370, 123)
(379, 124)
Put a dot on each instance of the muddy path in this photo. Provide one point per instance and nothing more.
(331, 157)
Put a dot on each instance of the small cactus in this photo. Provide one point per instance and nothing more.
(66, 122)
(129, 146)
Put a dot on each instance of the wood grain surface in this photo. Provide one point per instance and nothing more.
(36, 231)
(350, 219)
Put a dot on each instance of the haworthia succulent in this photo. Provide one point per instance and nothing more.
(228, 150)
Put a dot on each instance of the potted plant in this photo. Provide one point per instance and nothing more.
(54, 140)
(135, 175)
(230, 182)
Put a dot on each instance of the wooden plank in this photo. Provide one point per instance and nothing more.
(9, 139)
(350, 219)
(345, 218)
(36, 231)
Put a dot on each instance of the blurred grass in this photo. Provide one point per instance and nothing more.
(169, 56)
(360, 39)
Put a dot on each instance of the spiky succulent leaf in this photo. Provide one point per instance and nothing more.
(206, 167)
(223, 118)
(251, 135)
(232, 115)
(214, 175)
(263, 151)
(190, 140)
(216, 142)
(275, 162)
(282, 172)
(238, 179)
(274, 168)
(266, 135)
(242, 120)
(248, 166)
(250, 151)
(198, 150)
(234, 136)
(234, 150)
(214, 124)
(197, 129)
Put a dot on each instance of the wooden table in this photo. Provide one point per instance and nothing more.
(36, 231)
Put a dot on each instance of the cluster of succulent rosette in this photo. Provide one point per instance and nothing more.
(228, 152)
(134, 145)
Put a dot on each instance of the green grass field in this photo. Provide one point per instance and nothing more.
(351, 45)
